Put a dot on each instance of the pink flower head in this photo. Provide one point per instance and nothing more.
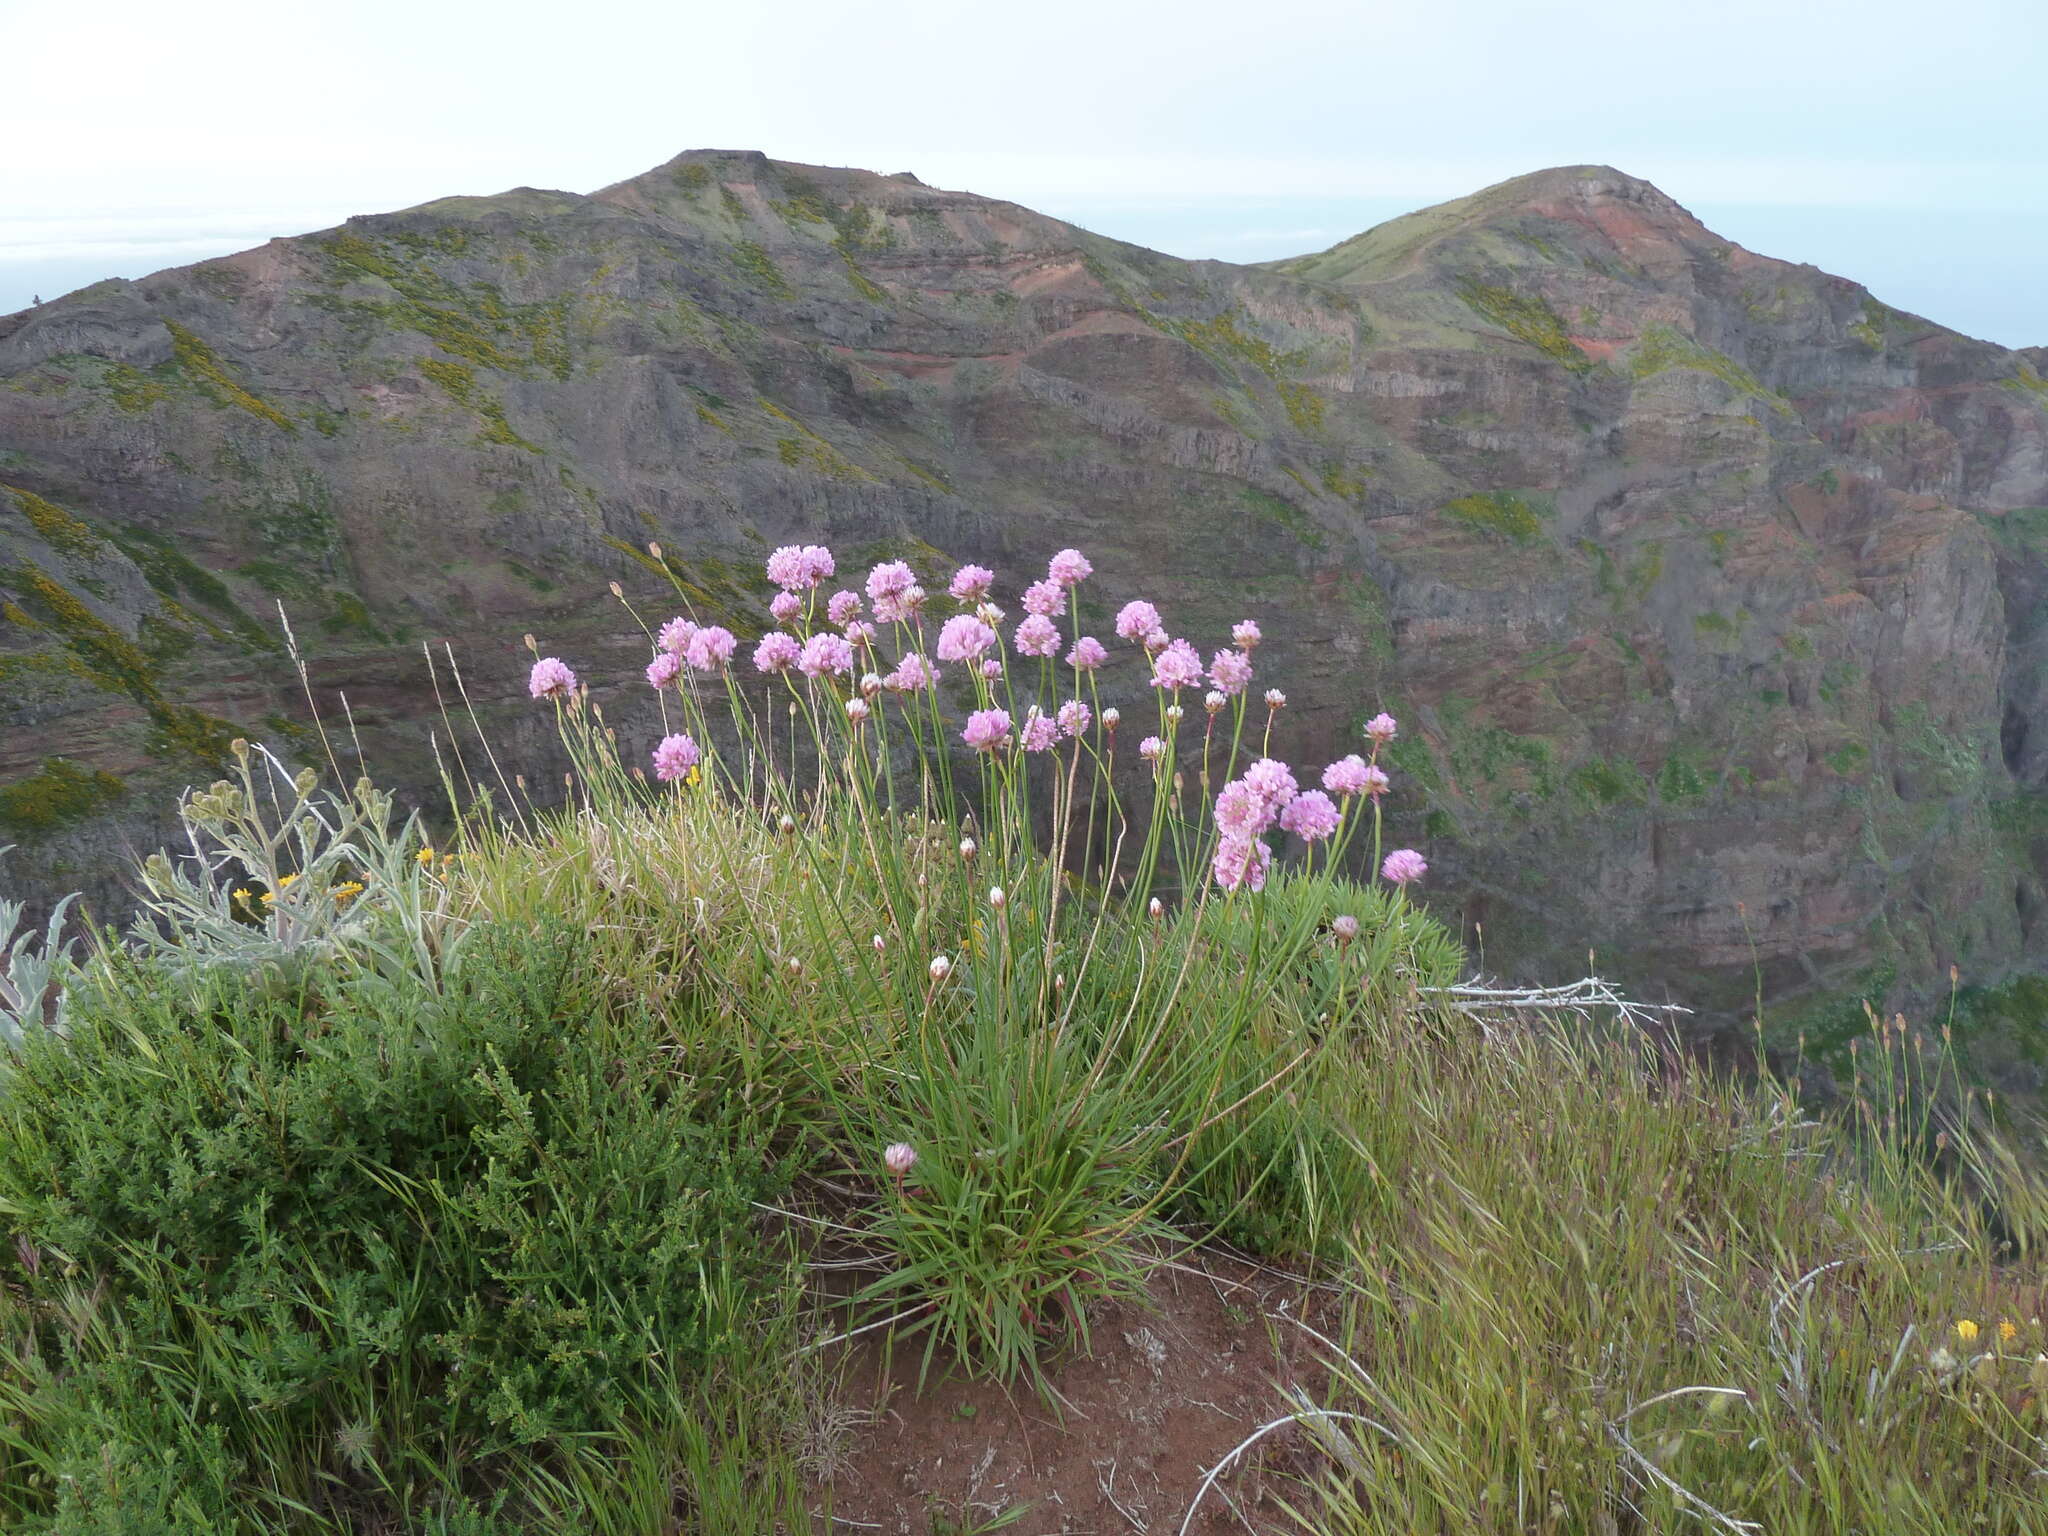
(1135, 620)
(1242, 861)
(892, 578)
(1152, 749)
(550, 679)
(1041, 732)
(777, 652)
(1179, 665)
(1346, 776)
(824, 654)
(796, 567)
(1038, 636)
(970, 583)
(843, 608)
(991, 669)
(1272, 781)
(663, 669)
(1230, 670)
(1381, 728)
(899, 607)
(912, 673)
(1403, 865)
(710, 648)
(1069, 568)
(1073, 717)
(675, 757)
(860, 634)
(987, 729)
(785, 606)
(1376, 783)
(675, 634)
(1087, 654)
(1241, 811)
(1310, 816)
(899, 1157)
(1045, 597)
(1156, 641)
(964, 637)
(1245, 632)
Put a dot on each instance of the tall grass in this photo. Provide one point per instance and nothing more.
(534, 1183)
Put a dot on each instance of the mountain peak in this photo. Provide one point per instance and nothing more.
(1567, 204)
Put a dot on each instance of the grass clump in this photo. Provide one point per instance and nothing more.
(522, 1185)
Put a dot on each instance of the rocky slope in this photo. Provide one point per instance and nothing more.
(1713, 591)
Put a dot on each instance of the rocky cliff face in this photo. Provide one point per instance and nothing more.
(1714, 593)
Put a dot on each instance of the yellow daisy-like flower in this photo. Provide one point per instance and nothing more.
(269, 897)
(424, 858)
(1966, 1330)
(348, 888)
(285, 880)
(240, 893)
(2008, 1330)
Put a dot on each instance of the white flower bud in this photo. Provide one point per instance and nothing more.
(856, 710)
(879, 945)
(1156, 907)
(787, 825)
(966, 847)
(1111, 716)
(996, 898)
(1345, 927)
(1275, 699)
(1212, 701)
(794, 966)
(940, 967)
(871, 684)
(1174, 713)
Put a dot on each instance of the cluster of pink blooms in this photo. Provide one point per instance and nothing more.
(1264, 797)
(551, 679)
(675, 757)
(798, 568)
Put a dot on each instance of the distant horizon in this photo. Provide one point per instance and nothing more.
(1999, 299)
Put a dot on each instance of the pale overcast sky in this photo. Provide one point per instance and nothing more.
(1893, 141)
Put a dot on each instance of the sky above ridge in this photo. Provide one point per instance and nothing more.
(1891, 142)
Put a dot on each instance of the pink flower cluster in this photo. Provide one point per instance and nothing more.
(797, 568)
(893, 589)
(987, 729)
(674, 757)
(551, 679)
(964, 637)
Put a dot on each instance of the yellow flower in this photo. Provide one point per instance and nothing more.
(240, 893)
(424, 857)
(285, 880)
(1966, 1330)
(2008, 1330)
(348, 888)
(691, 778)
(269, 897)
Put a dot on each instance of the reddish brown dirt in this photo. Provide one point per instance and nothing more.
(1165, 1394)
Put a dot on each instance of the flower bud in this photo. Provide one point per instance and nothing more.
(1345, 927)
(1174, 713)
(899, 1157)
(879, 945)
(786, 825)
(1110, 717)
(967, 848)
(1156, 907)
(617, 590)
(856, 710)
(996, 898)
(1212, 701)
(1275, 699)
(940, 967)
(871, 684)
(794, 966)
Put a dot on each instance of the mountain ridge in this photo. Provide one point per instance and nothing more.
(1649, 535)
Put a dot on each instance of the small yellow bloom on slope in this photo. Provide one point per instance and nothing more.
(2008, 1330)
(424, 858)
(1966, 1330)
